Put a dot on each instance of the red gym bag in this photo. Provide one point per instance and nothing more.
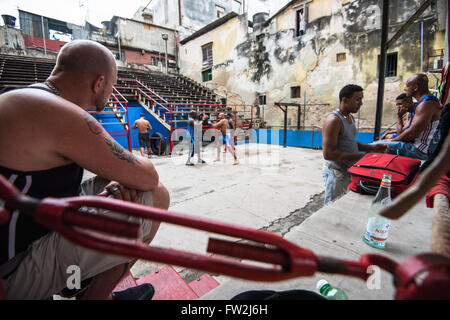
(367, 172)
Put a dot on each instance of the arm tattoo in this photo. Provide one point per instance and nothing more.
(93, 125)
(120, 152)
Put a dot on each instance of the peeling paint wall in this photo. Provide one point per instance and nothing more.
(11, 39)
(226, 65)
(136, 34)
(273, 59)
(192, 14)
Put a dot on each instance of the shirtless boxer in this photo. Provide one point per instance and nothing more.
(144, 126)
(224, 138)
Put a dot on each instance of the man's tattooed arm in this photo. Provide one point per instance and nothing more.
(120, 152)
(94, 126)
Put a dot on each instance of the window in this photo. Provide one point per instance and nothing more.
(207, 57)
(340, 57)
(156, 60)
(260, 38)
(207, 75)
(262, 99)
(118, 55)
(300, 21)
(295, 92)
(220, 11)
(391, 64)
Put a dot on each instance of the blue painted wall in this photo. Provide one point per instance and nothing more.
(299, 138)
(295, 138)
(134, 111)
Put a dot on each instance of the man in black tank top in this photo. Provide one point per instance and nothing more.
(47, 137)
(340, 148)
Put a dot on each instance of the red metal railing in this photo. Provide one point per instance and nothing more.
(171, 110)
(122, 109)
(285, 259)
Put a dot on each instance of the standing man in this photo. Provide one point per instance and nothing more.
(47, 138)
(225, 138)
(414, 141)
(229, 117)
(144, 126)
(194, 135)
(340, 148)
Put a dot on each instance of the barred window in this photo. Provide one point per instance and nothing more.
(207, 61)
(295, 92)
(391, 65)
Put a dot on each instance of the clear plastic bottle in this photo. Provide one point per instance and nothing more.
(330, 292)
(377, 227)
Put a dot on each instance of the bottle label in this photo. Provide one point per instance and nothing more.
(377, 231)
(385, 184)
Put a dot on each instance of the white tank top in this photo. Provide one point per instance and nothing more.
(423, 141)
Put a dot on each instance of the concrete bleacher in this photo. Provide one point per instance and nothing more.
(20, 71)
(171, 88)
(168, 98)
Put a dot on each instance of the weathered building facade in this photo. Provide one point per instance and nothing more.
(142, 43)
(188, 16)
(307, 51)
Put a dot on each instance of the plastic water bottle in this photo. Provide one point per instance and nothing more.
(330, 292)
(377, 227)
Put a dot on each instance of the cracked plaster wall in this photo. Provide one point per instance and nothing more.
(272, 60)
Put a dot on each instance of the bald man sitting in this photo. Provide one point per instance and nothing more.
(414, 141)
(47, 138)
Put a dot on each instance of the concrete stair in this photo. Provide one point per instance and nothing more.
(169, 285)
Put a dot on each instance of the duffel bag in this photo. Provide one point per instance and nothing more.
(367, 172)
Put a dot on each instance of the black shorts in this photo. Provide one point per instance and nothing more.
(144, 140)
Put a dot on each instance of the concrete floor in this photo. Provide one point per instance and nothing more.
(279, 190)
(273, 188)
(269, 187)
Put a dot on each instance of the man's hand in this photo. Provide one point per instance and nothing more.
(387, 134)
(401, 111)
(121, 192)
(380, 148)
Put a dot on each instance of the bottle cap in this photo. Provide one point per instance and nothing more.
(321, 283)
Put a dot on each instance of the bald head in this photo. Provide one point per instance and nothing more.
(417, 85)
(85, 58)
(421, 80)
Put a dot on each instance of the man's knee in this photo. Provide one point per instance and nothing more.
(161, 197)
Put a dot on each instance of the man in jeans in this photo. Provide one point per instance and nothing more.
(340, 148)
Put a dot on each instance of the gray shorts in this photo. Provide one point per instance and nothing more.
(48, 264)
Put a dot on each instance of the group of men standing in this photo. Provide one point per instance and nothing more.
(194, 130)
(225, 128)
(341, 149)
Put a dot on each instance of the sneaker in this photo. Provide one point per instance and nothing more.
(189, 164)
(201, 161)
(144, 291)
(235, 162)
